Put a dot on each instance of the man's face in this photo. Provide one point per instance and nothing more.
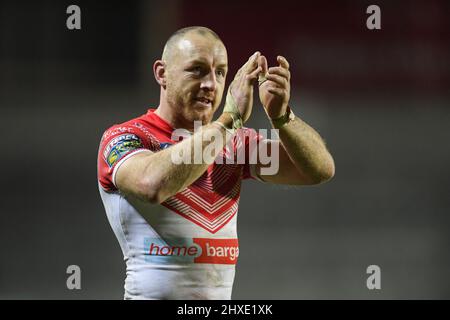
(196, 75)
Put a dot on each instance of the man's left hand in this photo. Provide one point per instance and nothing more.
(275, 89)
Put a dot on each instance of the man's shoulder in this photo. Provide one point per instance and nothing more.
(140, 125)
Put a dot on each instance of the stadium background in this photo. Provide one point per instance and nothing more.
(379, 98)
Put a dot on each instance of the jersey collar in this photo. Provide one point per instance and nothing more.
(160, 122)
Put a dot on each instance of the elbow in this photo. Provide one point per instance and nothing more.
(327, 173)
(150, 192)
(154, 197)
(324, 174)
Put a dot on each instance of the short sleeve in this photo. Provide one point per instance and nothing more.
(118, 143)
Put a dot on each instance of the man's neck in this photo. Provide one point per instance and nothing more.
(164, 112)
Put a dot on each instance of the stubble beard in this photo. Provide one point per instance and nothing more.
(183, 105)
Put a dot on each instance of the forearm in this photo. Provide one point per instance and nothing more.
(307, 150)
(156, 176)
(175, 168)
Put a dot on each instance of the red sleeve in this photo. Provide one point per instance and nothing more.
(250, 139)
(118, 143)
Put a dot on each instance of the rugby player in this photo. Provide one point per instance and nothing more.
(176, 222)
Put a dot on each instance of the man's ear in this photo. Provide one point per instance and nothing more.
(159, 70)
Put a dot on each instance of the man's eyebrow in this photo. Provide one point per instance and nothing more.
(196, 61)
(222, 65)
(201, 61)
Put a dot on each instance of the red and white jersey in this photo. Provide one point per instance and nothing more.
(187, 247)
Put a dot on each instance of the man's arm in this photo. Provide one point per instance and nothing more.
(303, 156)
(154, 177)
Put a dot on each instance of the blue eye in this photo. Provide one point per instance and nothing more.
(197, 70)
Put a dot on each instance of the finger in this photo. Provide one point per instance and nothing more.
(255, 56)
(252, 62)
(254, 75)
(239, 72)
(283, 62)
(280, 71)
(276, 91)
(262, 62)
(279, 80)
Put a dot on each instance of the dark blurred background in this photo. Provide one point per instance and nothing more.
(379, 98)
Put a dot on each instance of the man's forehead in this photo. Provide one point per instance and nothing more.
(202, 48)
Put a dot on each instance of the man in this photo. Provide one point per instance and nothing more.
(176, 221)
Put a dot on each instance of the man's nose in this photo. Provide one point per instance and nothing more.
(209, 82)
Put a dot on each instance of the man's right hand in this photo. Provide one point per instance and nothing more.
(241, 88)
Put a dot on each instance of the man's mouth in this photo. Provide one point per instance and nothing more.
(205, 101)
